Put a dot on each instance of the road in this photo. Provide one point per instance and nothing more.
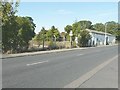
(54, 70)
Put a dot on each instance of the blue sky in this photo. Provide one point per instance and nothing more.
(60, 14)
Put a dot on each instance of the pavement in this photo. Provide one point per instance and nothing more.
(105, 78)
(94, 66)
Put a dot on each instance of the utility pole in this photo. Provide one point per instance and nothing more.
(71, 38)
(43, 41)
(43, 36)
(105, 34)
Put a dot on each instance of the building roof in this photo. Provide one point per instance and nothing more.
(99, 32)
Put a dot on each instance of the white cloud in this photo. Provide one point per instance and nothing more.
(64, 12)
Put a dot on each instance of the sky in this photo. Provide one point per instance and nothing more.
(60, 14)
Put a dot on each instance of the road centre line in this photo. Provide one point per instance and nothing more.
(44, 61)
(79, 54)
(36, 63)
(47, 60)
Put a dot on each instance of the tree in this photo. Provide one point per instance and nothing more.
(99, 27)
(75, 28)
(26, 32)
(85, 24)
(49, 35)
(16, 31)
(68, 28)
(111, 27)
(42, 36)
(9, 33)
(118, 35)
(84, 38)
(81, 25)
(55, 33)
(63, 36)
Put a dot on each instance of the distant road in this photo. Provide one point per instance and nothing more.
(53, 70)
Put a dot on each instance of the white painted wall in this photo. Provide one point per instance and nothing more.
(99, 39)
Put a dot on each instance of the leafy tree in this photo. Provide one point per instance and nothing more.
(63, 35)
(99, 27)
(49, 35)
(26, 32)
(16, 31)
(75, 28)
(9, 33)
(84, 38)
(42, 36)
(85, 24)
(118, 35)
(55, 33)
(81, 25)
(68, 28)
(111, 27)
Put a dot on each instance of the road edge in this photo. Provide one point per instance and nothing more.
(45, 52)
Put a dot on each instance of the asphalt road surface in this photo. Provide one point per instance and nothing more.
(54, 70)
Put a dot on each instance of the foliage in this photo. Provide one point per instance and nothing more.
(52, 45)
(16, 31)
(99, 27)
(111, 27)
(85, 24)
(41, 36)
(74, 44)
(26, 29)
(68, 28)
(49, 35)
(55, 33)
(77, 27)
(8, 22)
(118, 35)
(63, 36)
(84, 38)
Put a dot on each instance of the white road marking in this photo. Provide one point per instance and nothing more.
(36, 63)
(79, 54)
(88, 75)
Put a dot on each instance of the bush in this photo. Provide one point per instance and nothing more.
(60, 45)
(52, 45)
(84, 38)
(74, 45)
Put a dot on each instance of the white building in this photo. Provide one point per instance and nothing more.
(100, 38)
